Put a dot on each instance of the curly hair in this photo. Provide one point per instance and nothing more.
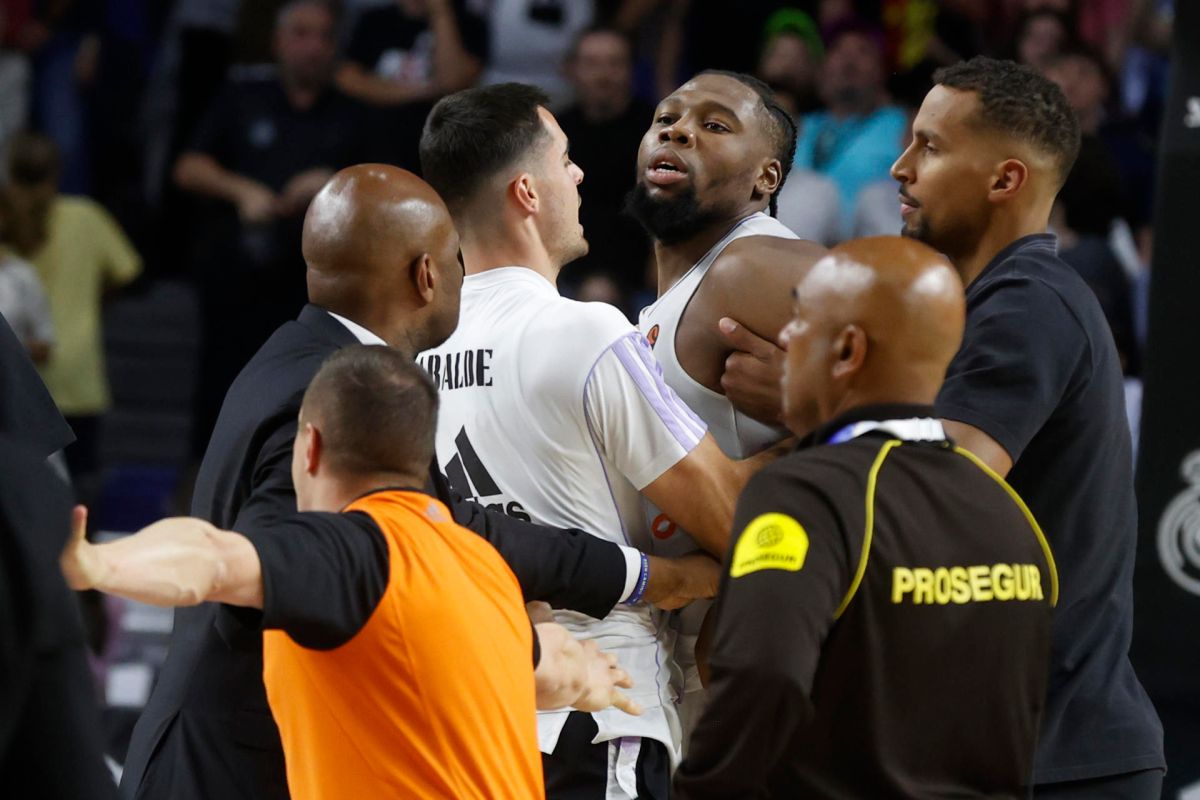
(1019, 101)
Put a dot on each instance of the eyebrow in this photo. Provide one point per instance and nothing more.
(703, 105)
(924, 133)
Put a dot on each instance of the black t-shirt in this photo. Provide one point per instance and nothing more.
(392, 44)
(607, 154)
(323, 575)
(896, 652)
(1038, 373)
(253, 130)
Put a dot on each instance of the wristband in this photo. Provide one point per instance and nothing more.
(636, 596)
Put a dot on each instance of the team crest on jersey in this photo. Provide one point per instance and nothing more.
(652, 336)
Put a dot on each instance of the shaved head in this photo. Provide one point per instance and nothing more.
(382, 251)
(876, 321)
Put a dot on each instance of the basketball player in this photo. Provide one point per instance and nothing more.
(709, 168)
(556, 410)
(397, 658)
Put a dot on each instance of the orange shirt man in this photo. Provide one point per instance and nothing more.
(435, 696)
(398, 656)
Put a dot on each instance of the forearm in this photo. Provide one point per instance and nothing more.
(177, 562)
(357, 82)
(565, 568)
(200, 173)
(453, 67)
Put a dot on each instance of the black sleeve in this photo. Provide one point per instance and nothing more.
(323, 575)
(215, 133)
(1020, 350)
(564, 567)
(785, 575)
(364, 47)
(473, 30)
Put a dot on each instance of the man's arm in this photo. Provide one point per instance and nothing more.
(201, 173)
(454, 66)
(182, 561)
(750, 282)
(776, 606)
(1022, 351)
(979, 443)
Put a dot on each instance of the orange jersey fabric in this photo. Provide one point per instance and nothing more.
(434, 697)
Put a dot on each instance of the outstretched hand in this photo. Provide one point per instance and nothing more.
(81, 566)
(752, 374)
(604, 677)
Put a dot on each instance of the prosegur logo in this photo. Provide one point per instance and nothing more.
(1179, 530)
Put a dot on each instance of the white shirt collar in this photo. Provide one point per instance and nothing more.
(916, 429)
(363, 335)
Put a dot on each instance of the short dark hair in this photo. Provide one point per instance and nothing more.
(783, 127)
(1019, 101)
(471, 135)
(376, 409)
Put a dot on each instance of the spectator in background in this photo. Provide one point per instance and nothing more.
(79, 252)
(791, 60)
(14, 70)
(404, 56)
(604, 128)
(23, 302)
(1040, 36)
(856, 140)
(531, 38)
(266, 146)
(1094, 198)
(63, 39)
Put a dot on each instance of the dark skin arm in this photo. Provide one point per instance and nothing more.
(750, 282)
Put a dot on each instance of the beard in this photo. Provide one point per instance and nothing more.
(670, 220)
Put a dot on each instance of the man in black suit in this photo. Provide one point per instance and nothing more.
(383, 268)
(48, 712)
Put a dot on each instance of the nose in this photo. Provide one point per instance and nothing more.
(675, 132)
(577, 173)
(901, 170)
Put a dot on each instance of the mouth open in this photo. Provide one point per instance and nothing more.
(666, 169)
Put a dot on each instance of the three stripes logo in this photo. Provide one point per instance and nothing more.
(470, 478)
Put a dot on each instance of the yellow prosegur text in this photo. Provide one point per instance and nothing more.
(976, 584)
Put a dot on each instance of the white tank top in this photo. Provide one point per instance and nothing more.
(737, 434)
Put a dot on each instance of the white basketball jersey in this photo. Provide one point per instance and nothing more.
(555, 411)
(737, 434)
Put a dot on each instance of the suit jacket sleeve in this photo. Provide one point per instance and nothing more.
(566, 568)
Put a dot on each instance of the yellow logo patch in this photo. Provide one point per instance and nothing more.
(770, 541)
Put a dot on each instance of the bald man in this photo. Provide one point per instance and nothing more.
(883, 625)
(383, 268)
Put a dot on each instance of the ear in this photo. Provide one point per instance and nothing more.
(525, 194)
(424, 277)
(849, 352)
(1008, 179)
(314, 451)
(769, 177)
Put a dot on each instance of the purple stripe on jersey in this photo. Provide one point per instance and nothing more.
(634, 354)
(642, 348)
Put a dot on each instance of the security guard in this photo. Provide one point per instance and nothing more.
(883, 625)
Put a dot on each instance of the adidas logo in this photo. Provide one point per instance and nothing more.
(470, 478)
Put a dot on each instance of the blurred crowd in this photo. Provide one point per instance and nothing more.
(145, 141)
